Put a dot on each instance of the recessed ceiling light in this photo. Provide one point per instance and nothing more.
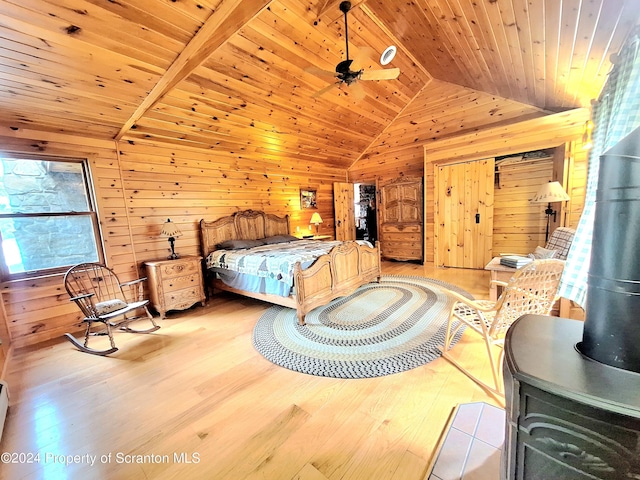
(388, 55)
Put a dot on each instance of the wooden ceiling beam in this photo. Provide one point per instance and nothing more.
(224, 22)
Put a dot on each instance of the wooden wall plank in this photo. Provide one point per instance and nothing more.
(141, 186)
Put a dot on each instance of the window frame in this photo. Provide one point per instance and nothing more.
(92, 212)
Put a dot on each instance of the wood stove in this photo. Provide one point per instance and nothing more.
(572, 389)
(568, 417)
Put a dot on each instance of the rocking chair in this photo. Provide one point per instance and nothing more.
(100, 296)
(531, 290)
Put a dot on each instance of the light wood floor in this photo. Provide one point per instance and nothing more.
(200, 402)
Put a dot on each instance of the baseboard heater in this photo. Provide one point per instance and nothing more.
(4, 404)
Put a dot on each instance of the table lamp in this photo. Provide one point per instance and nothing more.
(317, 220)
(171, 230)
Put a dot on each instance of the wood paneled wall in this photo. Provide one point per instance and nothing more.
(138, 186)
(398, 151)
(187, 185)
(562, 129)
(519, 225)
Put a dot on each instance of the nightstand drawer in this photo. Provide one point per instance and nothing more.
(178, 267)
(171, 284)
(184, 298)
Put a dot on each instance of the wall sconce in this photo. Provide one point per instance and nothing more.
(549, 193)
(317, 220)
(171, 230)
(586, 135)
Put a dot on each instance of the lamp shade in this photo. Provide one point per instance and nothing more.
(316, 218)
(170, 229)
(549, 193)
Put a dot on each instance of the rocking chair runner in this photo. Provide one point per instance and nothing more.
(100, 296)
(531, 290)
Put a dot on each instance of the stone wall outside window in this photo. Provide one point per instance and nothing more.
(32, 186)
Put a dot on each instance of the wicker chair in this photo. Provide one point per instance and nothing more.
(531, 290)
(101, 298)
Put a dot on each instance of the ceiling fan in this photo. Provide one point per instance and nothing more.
(349, 71)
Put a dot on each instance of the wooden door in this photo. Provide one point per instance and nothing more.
(401, 221)
(344, 211)
(464, 214)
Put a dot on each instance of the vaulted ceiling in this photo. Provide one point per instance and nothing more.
(239, 75)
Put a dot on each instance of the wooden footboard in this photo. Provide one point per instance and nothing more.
(336, 274)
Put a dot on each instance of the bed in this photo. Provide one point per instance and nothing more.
(336, 273)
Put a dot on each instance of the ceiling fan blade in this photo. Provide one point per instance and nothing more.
(356, 91)
(386, 74)
(363, 58)
(320, 72)
(324, 90)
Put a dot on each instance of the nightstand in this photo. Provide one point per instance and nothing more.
(316, 237)
(175, 284)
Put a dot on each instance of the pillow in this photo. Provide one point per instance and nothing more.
(543, 253)
(239, 244)
(109, 306)
(279, 239)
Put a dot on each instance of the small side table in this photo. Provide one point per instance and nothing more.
(175, 284)
(503, 273)
(500, 273)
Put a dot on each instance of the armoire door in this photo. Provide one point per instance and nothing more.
(401, 219)
(343, 207)
(464, 214)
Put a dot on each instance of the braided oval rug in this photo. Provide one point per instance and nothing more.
(381, 329)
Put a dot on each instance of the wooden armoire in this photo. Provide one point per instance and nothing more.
(401, 219)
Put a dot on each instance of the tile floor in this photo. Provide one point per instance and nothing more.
(472, 446)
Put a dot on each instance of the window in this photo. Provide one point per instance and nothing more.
(47, 217)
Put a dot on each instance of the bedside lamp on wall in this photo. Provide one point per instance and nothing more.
(171, 230)
(317, 220)
(549, 193)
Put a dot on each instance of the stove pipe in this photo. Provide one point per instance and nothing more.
(612, 325)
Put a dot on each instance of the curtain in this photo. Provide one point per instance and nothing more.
(615, 114)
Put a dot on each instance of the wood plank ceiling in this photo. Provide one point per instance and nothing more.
(233, 74)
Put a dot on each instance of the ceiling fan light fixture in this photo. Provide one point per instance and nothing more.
(352, 70)
(388, 55)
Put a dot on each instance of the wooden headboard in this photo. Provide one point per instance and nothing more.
(243, 225)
